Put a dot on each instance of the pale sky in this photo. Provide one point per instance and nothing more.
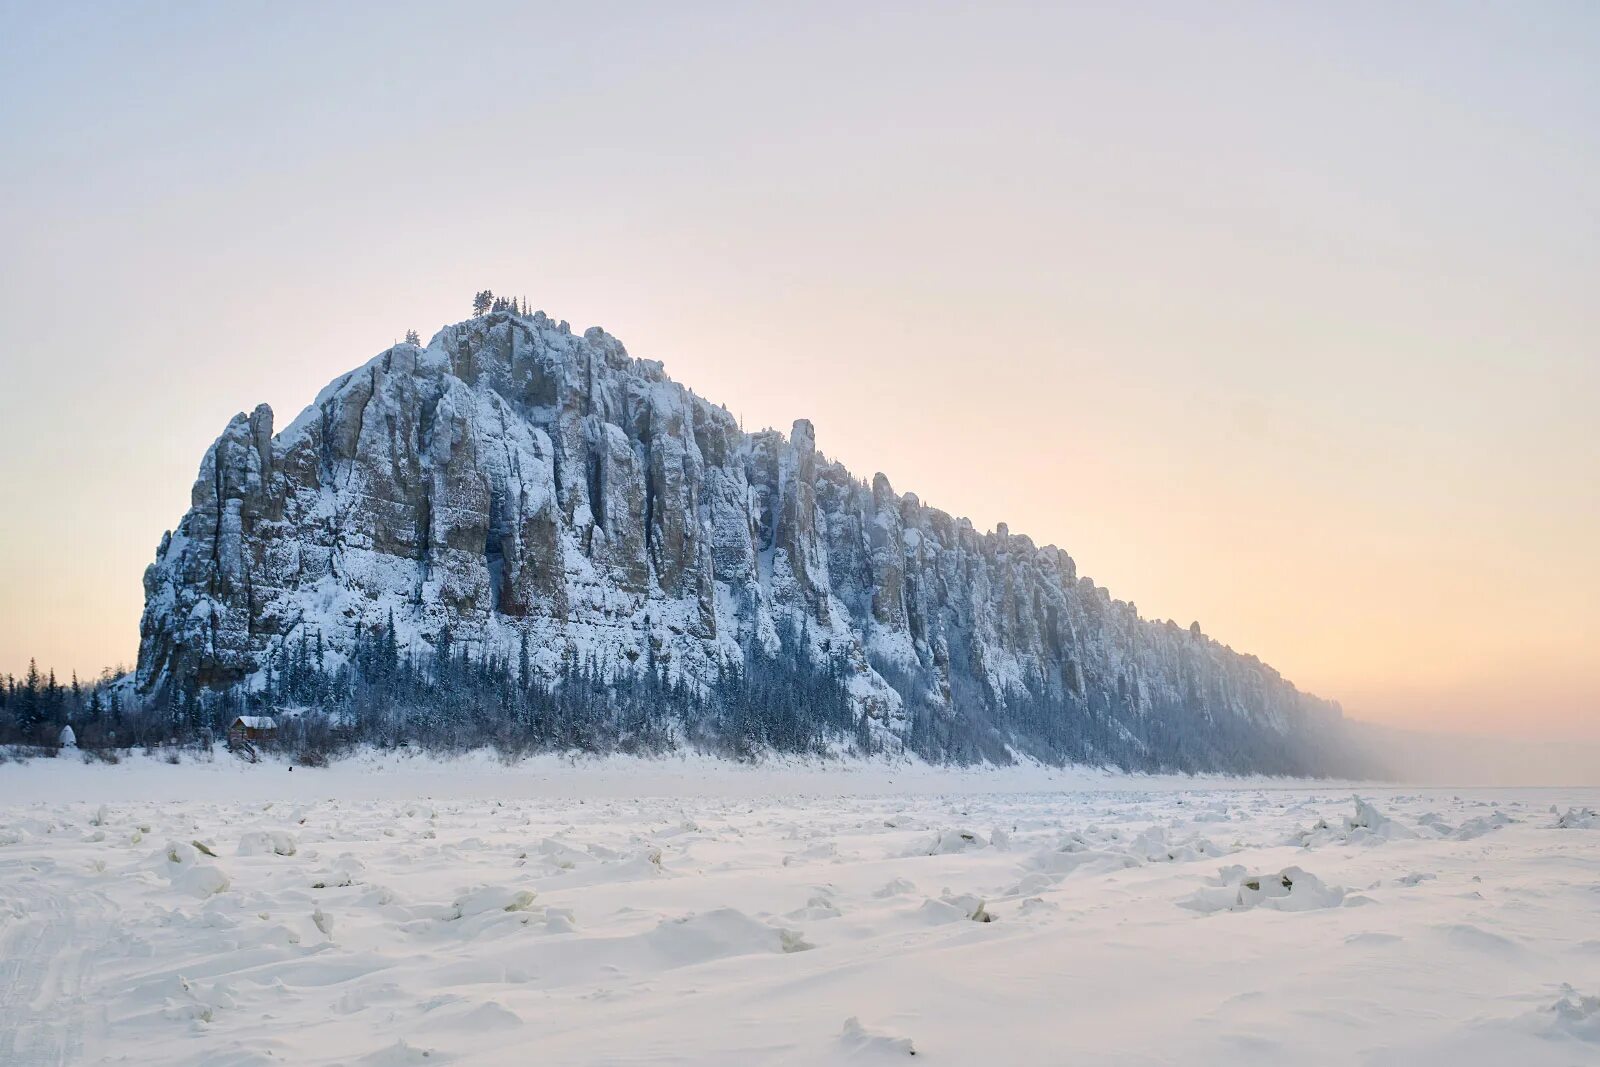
(1281, 317)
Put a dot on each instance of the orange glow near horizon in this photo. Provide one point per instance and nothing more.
(1315, 367)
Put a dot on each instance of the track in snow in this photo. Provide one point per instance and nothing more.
(43, 967)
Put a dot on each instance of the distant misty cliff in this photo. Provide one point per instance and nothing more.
(533, 532)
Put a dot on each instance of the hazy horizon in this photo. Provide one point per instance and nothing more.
(1276, 320)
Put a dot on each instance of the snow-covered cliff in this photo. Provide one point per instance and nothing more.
(512, 478)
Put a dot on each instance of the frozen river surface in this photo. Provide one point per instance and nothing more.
(190, 915)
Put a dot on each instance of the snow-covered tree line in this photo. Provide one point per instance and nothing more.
(456, 697)
(34, 707)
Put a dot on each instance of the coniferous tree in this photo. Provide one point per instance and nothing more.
(54, 699)
(30, 710)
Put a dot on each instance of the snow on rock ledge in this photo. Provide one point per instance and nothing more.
(512, 482)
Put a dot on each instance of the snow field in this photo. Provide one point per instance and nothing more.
(1141, 923)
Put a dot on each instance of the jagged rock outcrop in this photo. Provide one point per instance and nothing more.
(513, 478)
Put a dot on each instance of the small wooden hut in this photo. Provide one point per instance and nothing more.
(251, 729)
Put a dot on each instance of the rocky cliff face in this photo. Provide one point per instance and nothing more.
(513, 478)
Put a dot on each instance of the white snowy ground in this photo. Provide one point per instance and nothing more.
(687, 913)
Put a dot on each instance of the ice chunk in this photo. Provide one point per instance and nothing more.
(1290, 889)
(946, 842)
(182, 864)
(858, 1040)
(1577, 819)
(490, 898)
(268, 842)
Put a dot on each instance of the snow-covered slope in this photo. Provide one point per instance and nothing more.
(514, 479)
